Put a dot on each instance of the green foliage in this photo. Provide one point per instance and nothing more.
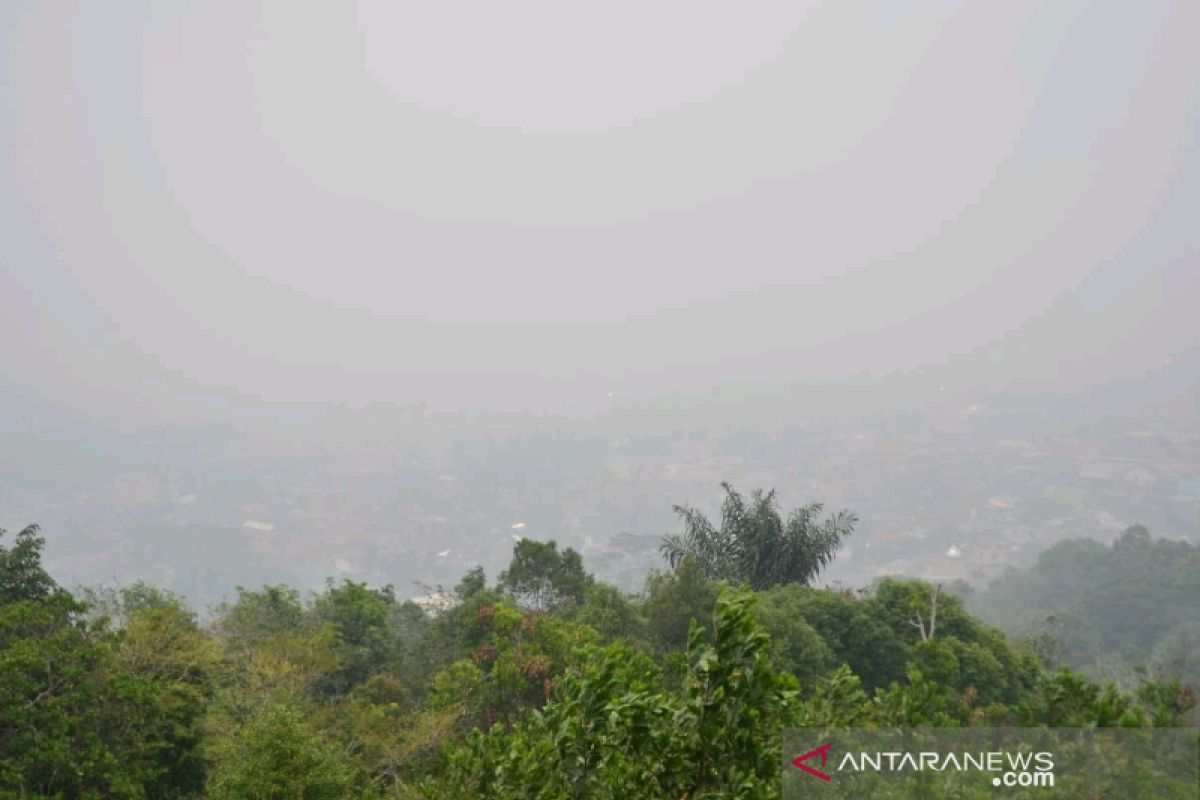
(53, 723)
(1177, 655)
(163, 654)
(452, 635)
(1068, 699)
(734, 704)
(87, 712)
(851, 628)
(542, 578)
(611, 612)
(277, 756)
(393, 744)
(122, 603)
(474, 582)
(796, 647)
(920, 700)
(977, 657)
(754, 545)
(21, 573)
(613, 730)
(256, 617)
(675, 600)
(1101, 608)
(367, 643)
(578, 691)
(514, 667)
(836, 700)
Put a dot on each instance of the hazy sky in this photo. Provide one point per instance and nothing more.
(526, 204)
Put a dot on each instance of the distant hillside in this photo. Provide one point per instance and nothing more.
(1111, 611)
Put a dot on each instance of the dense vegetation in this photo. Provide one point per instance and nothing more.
(546, 684)
(1115, 612)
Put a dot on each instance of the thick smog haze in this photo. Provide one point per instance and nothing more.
(562, 400)
(377, 202)
(406, 232)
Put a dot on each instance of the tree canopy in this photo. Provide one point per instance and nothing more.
(547, 684)
(754, 544)
(542, 577)
(21, 573)
(1114, 611)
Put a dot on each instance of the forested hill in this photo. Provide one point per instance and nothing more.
(1112, 611)
(544, 683)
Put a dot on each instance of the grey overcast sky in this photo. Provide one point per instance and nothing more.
(511, 204)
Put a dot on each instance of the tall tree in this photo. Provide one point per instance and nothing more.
(543, 578)
(88, 712)
(754, 544)
(674, 600)
(21, 573)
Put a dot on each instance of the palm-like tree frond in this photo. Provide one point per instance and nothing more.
(754, 545)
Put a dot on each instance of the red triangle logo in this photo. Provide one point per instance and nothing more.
(823, 752)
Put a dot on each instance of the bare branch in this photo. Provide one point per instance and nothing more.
(933, 610)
